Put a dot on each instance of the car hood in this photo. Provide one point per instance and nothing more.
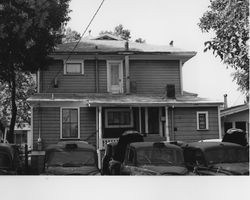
(84, 170)
(232, 168)
(166, 170)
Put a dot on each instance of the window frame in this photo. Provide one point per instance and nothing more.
(61, 123)
(198, 122)
(73, 62)
(130, 125)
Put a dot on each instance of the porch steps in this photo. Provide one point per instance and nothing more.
(154, 138)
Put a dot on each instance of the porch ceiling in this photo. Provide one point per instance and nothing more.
(114, 100)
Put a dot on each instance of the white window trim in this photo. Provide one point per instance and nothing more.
(120, 62)
(73, 61)
(197, 120)
(78, 110)
(119, 126)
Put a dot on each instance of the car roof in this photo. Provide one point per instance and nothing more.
(62, 145)
(151, 144)
(210, 145)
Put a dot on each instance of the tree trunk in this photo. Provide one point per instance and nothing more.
(10, 137)
(2, 128)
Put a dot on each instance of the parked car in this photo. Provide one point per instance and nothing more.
(216, 158)
(10, 162)
(71, 158)
(152, 158)
(236, 136)
(126, 138)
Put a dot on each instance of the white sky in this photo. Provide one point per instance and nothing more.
(159, 22)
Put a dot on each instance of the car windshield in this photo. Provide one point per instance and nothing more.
(226, 155)
(4, 160)
(159, 156)
(71, 158)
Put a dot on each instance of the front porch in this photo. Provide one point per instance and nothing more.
(112, 122)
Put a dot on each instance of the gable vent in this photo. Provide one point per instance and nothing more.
(170, 91)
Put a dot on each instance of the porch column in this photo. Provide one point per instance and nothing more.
(160, 122)
(140, 128)
(146, 120)
(100, 146)
(32, 127)
(100, 126)
(166, 125)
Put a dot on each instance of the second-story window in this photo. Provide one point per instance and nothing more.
(74, 67)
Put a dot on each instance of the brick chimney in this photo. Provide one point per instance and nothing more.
(126, 46)
(225, 101)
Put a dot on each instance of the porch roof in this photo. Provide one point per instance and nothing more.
(114, 100)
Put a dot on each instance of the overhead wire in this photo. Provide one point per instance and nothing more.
(85, 29)
(237, 99)
(69, 55)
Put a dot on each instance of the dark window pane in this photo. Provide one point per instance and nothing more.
(241, 125)
(227, 125)
(74, 117)
(66, 130)
(66, 116)
(74, 130)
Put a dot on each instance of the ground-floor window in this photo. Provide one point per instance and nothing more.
(118, 118)
(202, 120)
(70, 123)
(241, 125)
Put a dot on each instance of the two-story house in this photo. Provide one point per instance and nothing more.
(104, 86)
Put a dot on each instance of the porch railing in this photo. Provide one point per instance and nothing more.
(105, 141)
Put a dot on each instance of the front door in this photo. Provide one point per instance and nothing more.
(115, 76)
(153, 121)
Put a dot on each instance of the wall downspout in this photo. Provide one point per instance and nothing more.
(39, 139)
(38, 80)
(127, 74)
(166, 125)
(181, 75)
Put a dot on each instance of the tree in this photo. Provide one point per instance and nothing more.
(119, 31)
(25, 88)
(140, 40)
(29, 31)
(229, 20)
(71, 36)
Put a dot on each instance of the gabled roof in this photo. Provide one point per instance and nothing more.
(234, 110)
(107, 43)
(97, 45)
